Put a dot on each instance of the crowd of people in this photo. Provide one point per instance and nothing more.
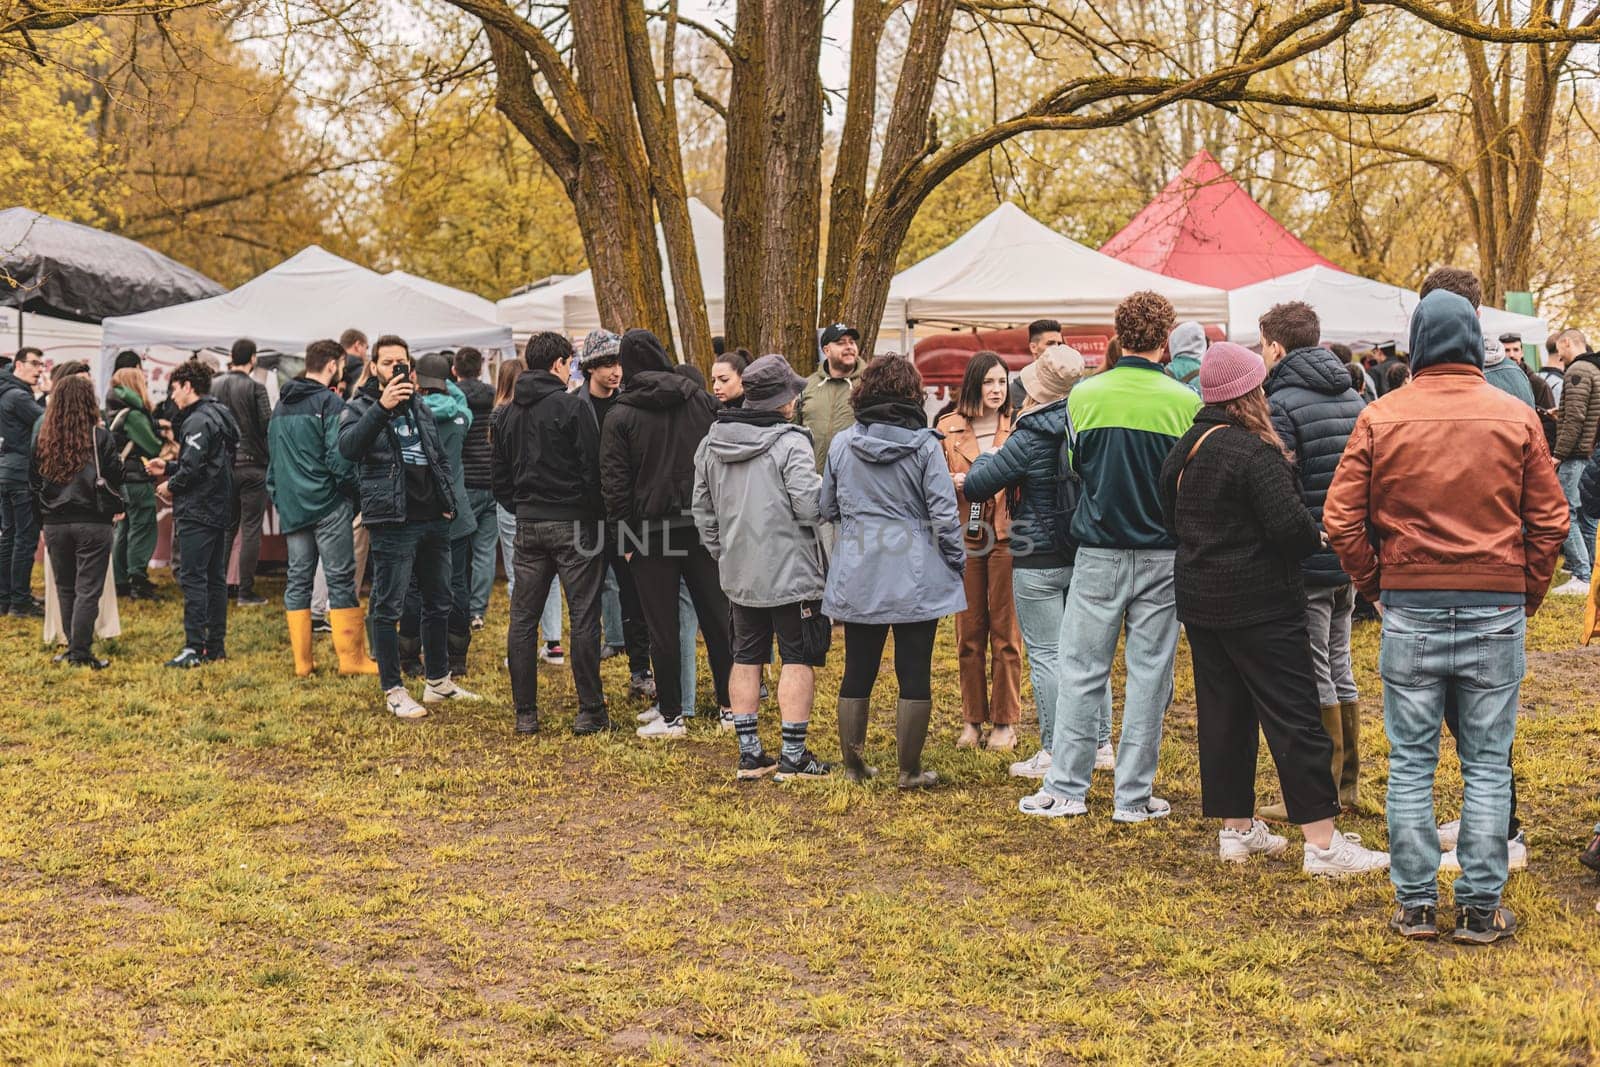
(1247, 498)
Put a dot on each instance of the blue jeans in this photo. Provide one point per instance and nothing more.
(1579, 548)
(19, 539)
(331, 541)
(1476, 656)
(1110, 587)
(1040, 595)
(550, 617)
(688, 666)
(611, 611)
(484, 538)
(398, 551)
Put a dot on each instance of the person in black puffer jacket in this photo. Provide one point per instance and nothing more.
(477, 461)
(1229, 497)
(1314, 409)
(647, 450)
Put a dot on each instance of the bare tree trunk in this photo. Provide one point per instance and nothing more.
(847, 199)
(744, 182)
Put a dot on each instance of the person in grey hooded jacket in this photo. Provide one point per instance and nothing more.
(755, 505)
(1185, 346)
(898, 559)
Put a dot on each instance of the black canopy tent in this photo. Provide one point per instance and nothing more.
(66, 270)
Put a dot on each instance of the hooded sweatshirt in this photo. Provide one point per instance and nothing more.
(133, 431)
(19, 411)
(755, 503)
(1187, 344)
(201, 478)
(546, 452)
(306, 475)
(454, 418)
(1504, 374)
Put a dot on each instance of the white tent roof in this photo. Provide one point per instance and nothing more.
(1355, 310)
(471, 303)
(61, 339)
(541, 309)
(310, 295)
(1010, 268)
(581, 311)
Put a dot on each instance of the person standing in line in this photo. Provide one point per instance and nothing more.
(467, 371)
(1575, 440)
(550, 651)
(1029, 463)
(647, 477)
(1551, 369)
(547, 473)
(200, 485)
(1042, 334)
(727, 378)
(887, 486)
(134, 434)
(76, 477)
(19, 522)
(1446, 511)
(247, 400)
(1126, 420)
(453, 418)
(825, 407)
(313, 487)
(354, 375)
(1185, 346)
(1544, 401)
(988, 641)
(1228, 494)
(756, 507)
(1314, 409)
(407, 502)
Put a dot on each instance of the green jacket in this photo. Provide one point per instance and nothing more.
(306, 474)
(453, 416)
(824, 406)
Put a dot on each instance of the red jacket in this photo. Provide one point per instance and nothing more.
(1453, 481)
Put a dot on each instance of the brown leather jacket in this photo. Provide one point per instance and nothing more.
(960, 452)
(1452, 479)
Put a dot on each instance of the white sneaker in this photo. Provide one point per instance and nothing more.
(725, 721)
(1449, 834)
(1572, 587)
(1343, 856)
(1035, 766)
(1154, 808)
(1235, 846)
(1105, 758)
(402, 704)
(662, 730)
(1516, 856)
(1050, 806)
(648, 715)
(554, 656)
(445, 688)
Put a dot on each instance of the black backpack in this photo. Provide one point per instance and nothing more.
(1069, 490)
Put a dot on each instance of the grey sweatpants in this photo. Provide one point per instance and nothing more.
(1328, 610)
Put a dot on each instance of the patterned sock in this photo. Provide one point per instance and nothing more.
(794, 740)
(749, 740)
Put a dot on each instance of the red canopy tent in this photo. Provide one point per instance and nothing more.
(1203, 227)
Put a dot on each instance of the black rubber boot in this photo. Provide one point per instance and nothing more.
(457, 645)
(411, 656)
(910, 734)
(853, 737)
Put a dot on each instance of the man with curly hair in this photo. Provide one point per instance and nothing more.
(1126, 420)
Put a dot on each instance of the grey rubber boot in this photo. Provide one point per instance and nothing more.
(853, 737)
(910, 733)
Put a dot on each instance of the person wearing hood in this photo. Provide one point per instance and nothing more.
(1228, 494)
(408, 500)
(1447, 512)
(19, 522)
(1186, 345)
(1029, 465)
(898, 559)
(313, 487)
(466, 370)
(134, 433)
(1577, 428)
(547, 473)
(1314, 409)
(200, 484)
(756, 506)
(647, 451)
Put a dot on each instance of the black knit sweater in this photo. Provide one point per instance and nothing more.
(1241, 528)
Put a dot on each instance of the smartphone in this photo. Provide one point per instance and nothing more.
(402, 372)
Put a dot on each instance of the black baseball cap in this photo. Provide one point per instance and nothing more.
(433, 370)
(838, 332)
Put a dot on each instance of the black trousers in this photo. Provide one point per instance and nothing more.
(204, 581)
(541, 551)
(913, 658)
(635, 634)
(247, 508)
(79, 554)
(1452, 720)
(668, 557)
(1261, 677)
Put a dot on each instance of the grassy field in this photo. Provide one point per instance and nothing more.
(233, 866)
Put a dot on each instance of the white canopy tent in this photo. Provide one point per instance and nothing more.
(471, 303)
(1010, 268)
(312, 294)
(1356, 310)
(541, 309)
(60, 339)
(581, 310)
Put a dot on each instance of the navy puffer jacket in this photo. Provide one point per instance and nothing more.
(1029, 463)
(1314, 409)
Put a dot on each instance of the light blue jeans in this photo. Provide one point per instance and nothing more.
(1040, 595)
(550, 618)
(611, 612)
(689, 671)
(484, 538)
(1476, 655)
(330, 543)
(1579, 548)
(1110, 587)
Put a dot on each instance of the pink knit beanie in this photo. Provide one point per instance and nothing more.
(1228, 371)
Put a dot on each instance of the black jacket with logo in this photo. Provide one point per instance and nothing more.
(367, 439)
(201, 478)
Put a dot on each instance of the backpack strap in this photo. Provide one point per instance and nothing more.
(1195, 448)
(1191, 376)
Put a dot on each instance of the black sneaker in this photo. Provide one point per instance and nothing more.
(94, 663)
(527, 720)
(186, 660)
(321, 625)
(250, 600)
(1484, 926)
(214, 655)
(29, 610)
(807, 766)
(591, 721)
(1419, 922)
(1590, 857)
(757, 765)
(144, 589)
(124, 591)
